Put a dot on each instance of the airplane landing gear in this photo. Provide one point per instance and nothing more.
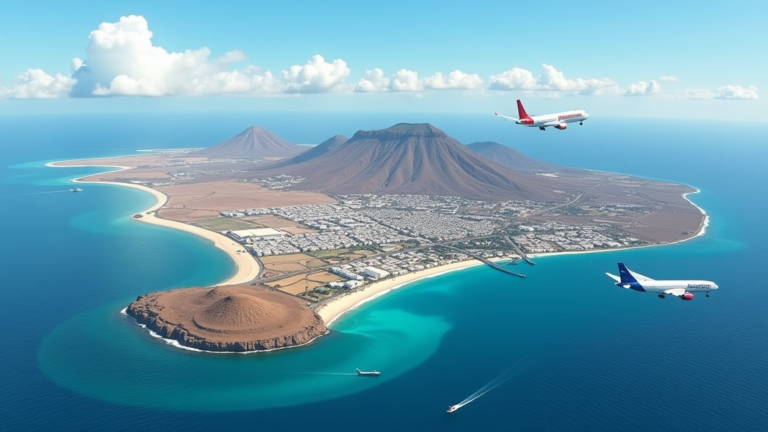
(661, 296)
(541, 128)
(707, 294)
(581, 123)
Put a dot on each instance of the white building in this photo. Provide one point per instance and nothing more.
(352, 284)
(375, 273)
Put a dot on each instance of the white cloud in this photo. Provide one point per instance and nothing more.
(122, 61)
(514, 79)
(316, 76)
(406, 80)
(454, 80)
(36, 84)
(668, 78)
(550, 80)
(736, 92)
(374, 81)
(643, 88)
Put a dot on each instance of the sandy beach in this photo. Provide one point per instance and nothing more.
(332, 310)
(247, 267)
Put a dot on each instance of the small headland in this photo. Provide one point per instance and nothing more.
(228, 319)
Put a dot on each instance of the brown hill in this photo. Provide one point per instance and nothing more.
(236, 318)
(253, 143)
(316, 151)
(413, 159)
(510, 157)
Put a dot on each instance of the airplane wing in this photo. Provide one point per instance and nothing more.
(614, 277)
(675, 292)
(506, 118)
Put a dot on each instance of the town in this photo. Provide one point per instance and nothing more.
(320, 250)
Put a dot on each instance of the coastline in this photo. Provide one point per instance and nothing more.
(247, 268)
(336, 308)
(176, 343)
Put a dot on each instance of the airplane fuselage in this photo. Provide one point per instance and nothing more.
(661, 286)
(556, 120)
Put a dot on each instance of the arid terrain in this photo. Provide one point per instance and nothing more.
(237, 319)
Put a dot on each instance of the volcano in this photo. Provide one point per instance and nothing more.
(412, 159)
(510, 157)
(253, 143)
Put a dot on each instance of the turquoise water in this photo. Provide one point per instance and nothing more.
(585, 355)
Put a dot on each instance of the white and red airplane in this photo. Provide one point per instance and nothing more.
(557, 120)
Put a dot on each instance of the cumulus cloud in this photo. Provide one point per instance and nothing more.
(454, 80)
(549, 80)
(406, 80)
(36, 84)
(374, 81)
(643, 88)
(121, 60)
(316, 76)
(736, 92)
(668, 78)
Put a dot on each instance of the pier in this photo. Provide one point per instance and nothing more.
(487, 262)
(519, 251)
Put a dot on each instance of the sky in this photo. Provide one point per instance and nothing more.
(681, 59)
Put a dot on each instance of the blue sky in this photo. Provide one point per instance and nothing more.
(652, 59)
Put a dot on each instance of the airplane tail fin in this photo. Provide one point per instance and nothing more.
(521, 111)
(625, 274)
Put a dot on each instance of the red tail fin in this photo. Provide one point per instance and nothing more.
(521, 111)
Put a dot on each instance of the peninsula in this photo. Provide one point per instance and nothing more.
(228, 319)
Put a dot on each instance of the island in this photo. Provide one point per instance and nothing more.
(332, 226)
(228, 319)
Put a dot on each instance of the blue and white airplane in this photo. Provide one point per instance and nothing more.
(679, 288)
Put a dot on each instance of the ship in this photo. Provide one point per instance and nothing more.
(76, 190)
(453, 408)
(371, 373)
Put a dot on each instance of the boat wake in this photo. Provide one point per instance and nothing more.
(499, 380)
(326, 373)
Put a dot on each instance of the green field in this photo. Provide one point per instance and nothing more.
(224, 224)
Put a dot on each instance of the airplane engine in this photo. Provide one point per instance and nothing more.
(561, 126)
(687, 296)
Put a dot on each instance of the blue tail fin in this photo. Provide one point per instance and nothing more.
(626, 276)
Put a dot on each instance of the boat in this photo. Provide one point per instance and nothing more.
(453, 408)
(364, 373)
(76, 190)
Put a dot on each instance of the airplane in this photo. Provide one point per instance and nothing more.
(679, 288)
(557, 120)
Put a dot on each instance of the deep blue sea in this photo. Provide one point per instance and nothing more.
(579, 353)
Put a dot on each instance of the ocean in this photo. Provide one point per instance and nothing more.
(575, 353)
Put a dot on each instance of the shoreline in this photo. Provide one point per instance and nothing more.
(176, 343)
(337, 307)
(246, 268)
